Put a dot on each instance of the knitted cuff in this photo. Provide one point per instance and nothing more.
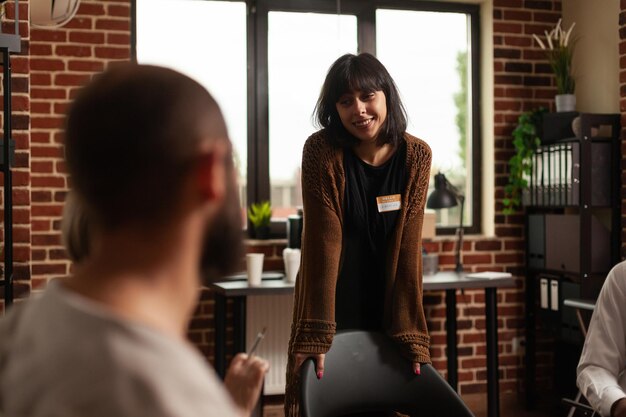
(414, 346)
(313, 336)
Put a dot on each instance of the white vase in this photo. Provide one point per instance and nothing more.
(565, 102)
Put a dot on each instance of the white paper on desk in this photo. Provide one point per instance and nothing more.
(489, 275)
(554, 295)
(543, 287)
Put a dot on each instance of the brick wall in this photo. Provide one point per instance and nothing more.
(55, 62)
(61, 60)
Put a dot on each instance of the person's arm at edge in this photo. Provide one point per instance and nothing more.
(604, 352)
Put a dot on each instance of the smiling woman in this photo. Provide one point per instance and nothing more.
(364, 183)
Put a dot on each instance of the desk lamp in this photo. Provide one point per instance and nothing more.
(447, 195)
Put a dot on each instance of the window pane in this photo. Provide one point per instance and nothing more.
(189, 36)
(431, 71)
(301, 48)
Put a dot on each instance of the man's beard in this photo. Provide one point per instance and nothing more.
(223, 243)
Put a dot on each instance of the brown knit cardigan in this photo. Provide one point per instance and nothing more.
(313, 326)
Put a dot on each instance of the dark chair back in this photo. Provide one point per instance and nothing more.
(365, 371)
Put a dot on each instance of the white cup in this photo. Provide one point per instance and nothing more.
(291, 258)
(254, 262)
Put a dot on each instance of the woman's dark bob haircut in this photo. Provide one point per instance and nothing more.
(364, 73)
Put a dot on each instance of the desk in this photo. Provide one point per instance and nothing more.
(238, 291)
(450, 282)
(447, 281)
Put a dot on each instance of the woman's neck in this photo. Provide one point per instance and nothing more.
(372, 153)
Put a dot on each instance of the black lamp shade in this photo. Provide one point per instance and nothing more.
(441, 197)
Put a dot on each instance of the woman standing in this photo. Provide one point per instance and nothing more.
(364, 185)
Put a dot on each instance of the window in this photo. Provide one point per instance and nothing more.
(298, 58)
(188, 36)
(268, 74)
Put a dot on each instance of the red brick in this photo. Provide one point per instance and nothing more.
(48, 93)
(47, 210)
(90, 9)
(507, 3)
(71, 79)
(21, 233)
(521, 15)
(49, 269)
(119, 10)
(87, 66)
(46, 122)
(48, 181)
(48, 35)
(20, 65)
(44, 64)
(79, 23)
(42, 196)
(21, 253)
(21, 197)
(118, 39)
(40, 226)
(39, 107)
(60, 108)
(87, 37)
(110, 24)
(20, 103)
(41, 49)
(21, 179)
(71, 50)
(507, 27)
(40, 137)
(40, 79)
(112, 53)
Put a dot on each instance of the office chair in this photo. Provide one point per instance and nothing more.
(365, 371)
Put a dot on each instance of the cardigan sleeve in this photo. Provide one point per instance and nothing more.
(314, 321)
(408, 323)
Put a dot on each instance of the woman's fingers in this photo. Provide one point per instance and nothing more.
(319, 362)
(319, 359)
(416, 368)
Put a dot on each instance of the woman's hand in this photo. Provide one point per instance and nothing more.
(319, 362)
(416, 368)
(244, 380)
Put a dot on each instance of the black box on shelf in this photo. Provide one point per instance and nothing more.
(557, 126)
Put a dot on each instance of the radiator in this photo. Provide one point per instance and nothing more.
(273, 311)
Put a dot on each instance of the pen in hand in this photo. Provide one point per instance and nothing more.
(256, 343)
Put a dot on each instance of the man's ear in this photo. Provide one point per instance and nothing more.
(211, 172)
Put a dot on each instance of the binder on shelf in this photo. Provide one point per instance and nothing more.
(543, 296)
(554, 294)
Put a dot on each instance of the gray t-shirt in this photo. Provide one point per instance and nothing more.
(64, 355)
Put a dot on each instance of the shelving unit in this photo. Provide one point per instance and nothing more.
(9, 43)
(572, 222)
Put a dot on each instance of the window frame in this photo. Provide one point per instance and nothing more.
(258, 170)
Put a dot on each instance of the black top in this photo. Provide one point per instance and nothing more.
(360, 294)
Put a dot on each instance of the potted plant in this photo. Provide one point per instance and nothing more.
(260, 215)
(559, 48)
(526, 141)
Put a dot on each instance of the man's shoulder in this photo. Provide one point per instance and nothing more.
(98, 355)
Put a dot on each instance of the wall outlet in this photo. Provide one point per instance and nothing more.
(518, 346)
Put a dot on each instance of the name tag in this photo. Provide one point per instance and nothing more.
(388, 203)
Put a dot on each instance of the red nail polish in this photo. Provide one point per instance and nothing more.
(320, 374)
(418, 371)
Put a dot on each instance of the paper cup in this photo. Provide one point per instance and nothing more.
(254, 263)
